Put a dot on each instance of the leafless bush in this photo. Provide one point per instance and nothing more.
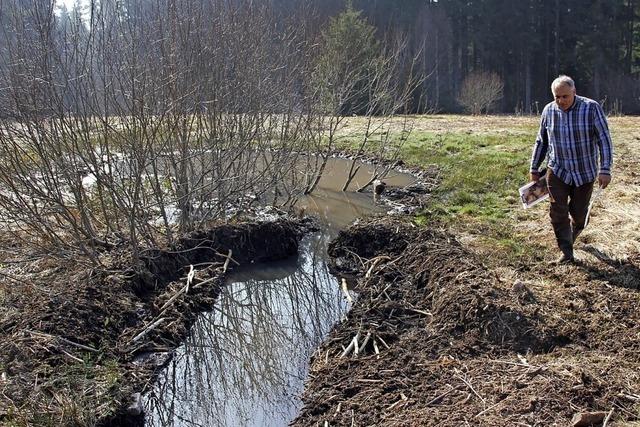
(480, 91)
(355, 74)
(390, 92)
(143, 120)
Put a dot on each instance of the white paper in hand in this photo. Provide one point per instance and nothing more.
(534, 192)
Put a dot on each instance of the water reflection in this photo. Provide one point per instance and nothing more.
(244, 363)
(339, 208)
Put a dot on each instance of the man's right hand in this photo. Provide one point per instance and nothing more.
(534, 176)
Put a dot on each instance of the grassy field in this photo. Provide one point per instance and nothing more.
(483, 160)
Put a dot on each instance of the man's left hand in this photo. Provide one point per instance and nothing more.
(604, 180)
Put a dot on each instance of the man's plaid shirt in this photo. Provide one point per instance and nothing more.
(572, 141)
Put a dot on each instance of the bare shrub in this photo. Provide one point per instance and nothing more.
(480, 91)
(356, 74)
(147, 121)
(143, 120)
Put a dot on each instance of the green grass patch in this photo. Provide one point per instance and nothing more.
(478, 193)
(480, 174)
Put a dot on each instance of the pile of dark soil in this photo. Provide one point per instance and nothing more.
(436, 339)
(71, 340)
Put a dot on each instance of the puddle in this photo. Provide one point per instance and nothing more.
(338, 209)
(245, 362)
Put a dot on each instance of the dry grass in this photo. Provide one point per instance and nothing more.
(615, 227)
(446, 123)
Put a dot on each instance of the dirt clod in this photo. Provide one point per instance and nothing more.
(588, 419)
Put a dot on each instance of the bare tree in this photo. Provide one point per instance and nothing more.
(480, 91)
(147, 119)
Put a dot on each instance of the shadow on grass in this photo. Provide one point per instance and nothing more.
(625, 274)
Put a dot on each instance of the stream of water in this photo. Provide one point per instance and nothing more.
(245, 362)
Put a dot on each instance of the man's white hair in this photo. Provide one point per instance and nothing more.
(563, 80)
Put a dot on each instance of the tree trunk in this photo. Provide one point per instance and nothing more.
(437, 70)
(556, 46)
(630, 36)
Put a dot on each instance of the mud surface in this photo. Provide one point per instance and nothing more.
(71, 354)
(443, 341)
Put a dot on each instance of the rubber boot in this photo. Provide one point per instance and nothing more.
(564, 238)
(567, 254)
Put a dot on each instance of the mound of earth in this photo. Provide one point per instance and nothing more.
(77, 343)
(435, 338)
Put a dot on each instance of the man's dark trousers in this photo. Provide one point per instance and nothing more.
(567, 200)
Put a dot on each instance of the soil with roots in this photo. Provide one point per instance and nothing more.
(76, 344)
(435, 338)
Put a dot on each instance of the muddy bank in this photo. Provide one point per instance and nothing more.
(75, 344)
(443, 341)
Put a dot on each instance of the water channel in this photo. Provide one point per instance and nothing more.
(245, 362)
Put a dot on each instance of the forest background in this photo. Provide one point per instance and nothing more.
(527, 43)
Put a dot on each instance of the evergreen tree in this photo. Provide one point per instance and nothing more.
(346, 63)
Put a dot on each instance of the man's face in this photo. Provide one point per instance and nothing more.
(564, 96)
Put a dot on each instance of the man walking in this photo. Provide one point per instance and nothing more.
(573, 132)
